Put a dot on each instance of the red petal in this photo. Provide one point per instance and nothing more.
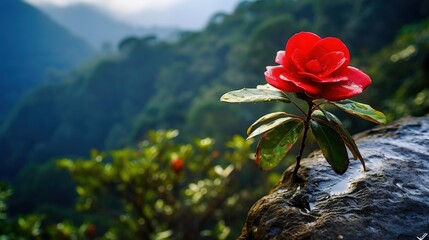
(280, 57)
(319, 79)
(299, 58)
(310, 88)
(273, 77)
(356, 83)
(327, 45)
(313, 66)
(304, 41)
(331, 62)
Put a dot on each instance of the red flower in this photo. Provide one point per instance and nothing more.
(177, 165)
(318, 67)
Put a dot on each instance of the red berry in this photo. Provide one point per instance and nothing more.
(177, 165)
(215, 154)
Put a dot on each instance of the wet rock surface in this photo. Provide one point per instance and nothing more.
(388, 201)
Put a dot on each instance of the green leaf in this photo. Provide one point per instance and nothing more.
(268, 126)
(342, 131)
(361, 110)
(267, 87)
(269, 116)
(274, 145)
(331, 144)
(254, 95)
(264, 118)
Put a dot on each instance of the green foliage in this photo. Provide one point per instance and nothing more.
(5, 193)
(332, 146)
(33, 227)
(149, 199)
(267, 126)
(401, 72)
(281, 133)
(361, 110)
(203, 118)
(274, 145)
(38, 183)
(263, 128)
(366, 25)
(254, 95)
(279, 28)
(330, 119)
(141, 194)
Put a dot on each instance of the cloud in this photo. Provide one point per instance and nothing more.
(185, 14)
(114, 6)
(194, 14)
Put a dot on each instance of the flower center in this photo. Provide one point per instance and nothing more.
(313, 66)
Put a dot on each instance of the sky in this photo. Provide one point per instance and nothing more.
(185, 14)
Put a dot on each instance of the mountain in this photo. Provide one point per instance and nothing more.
(32, 48)
(97, 27)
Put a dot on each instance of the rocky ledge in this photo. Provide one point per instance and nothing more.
(388, 201)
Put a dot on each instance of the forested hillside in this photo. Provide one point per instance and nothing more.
(152, 84)
(33, 50)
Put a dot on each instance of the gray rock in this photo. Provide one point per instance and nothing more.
(388, 201)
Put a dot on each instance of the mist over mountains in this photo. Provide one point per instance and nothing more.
(98, 28)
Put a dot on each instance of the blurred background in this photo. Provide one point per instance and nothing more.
(110, 120)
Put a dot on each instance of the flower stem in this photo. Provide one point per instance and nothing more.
(301, 148)
(296, 105)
